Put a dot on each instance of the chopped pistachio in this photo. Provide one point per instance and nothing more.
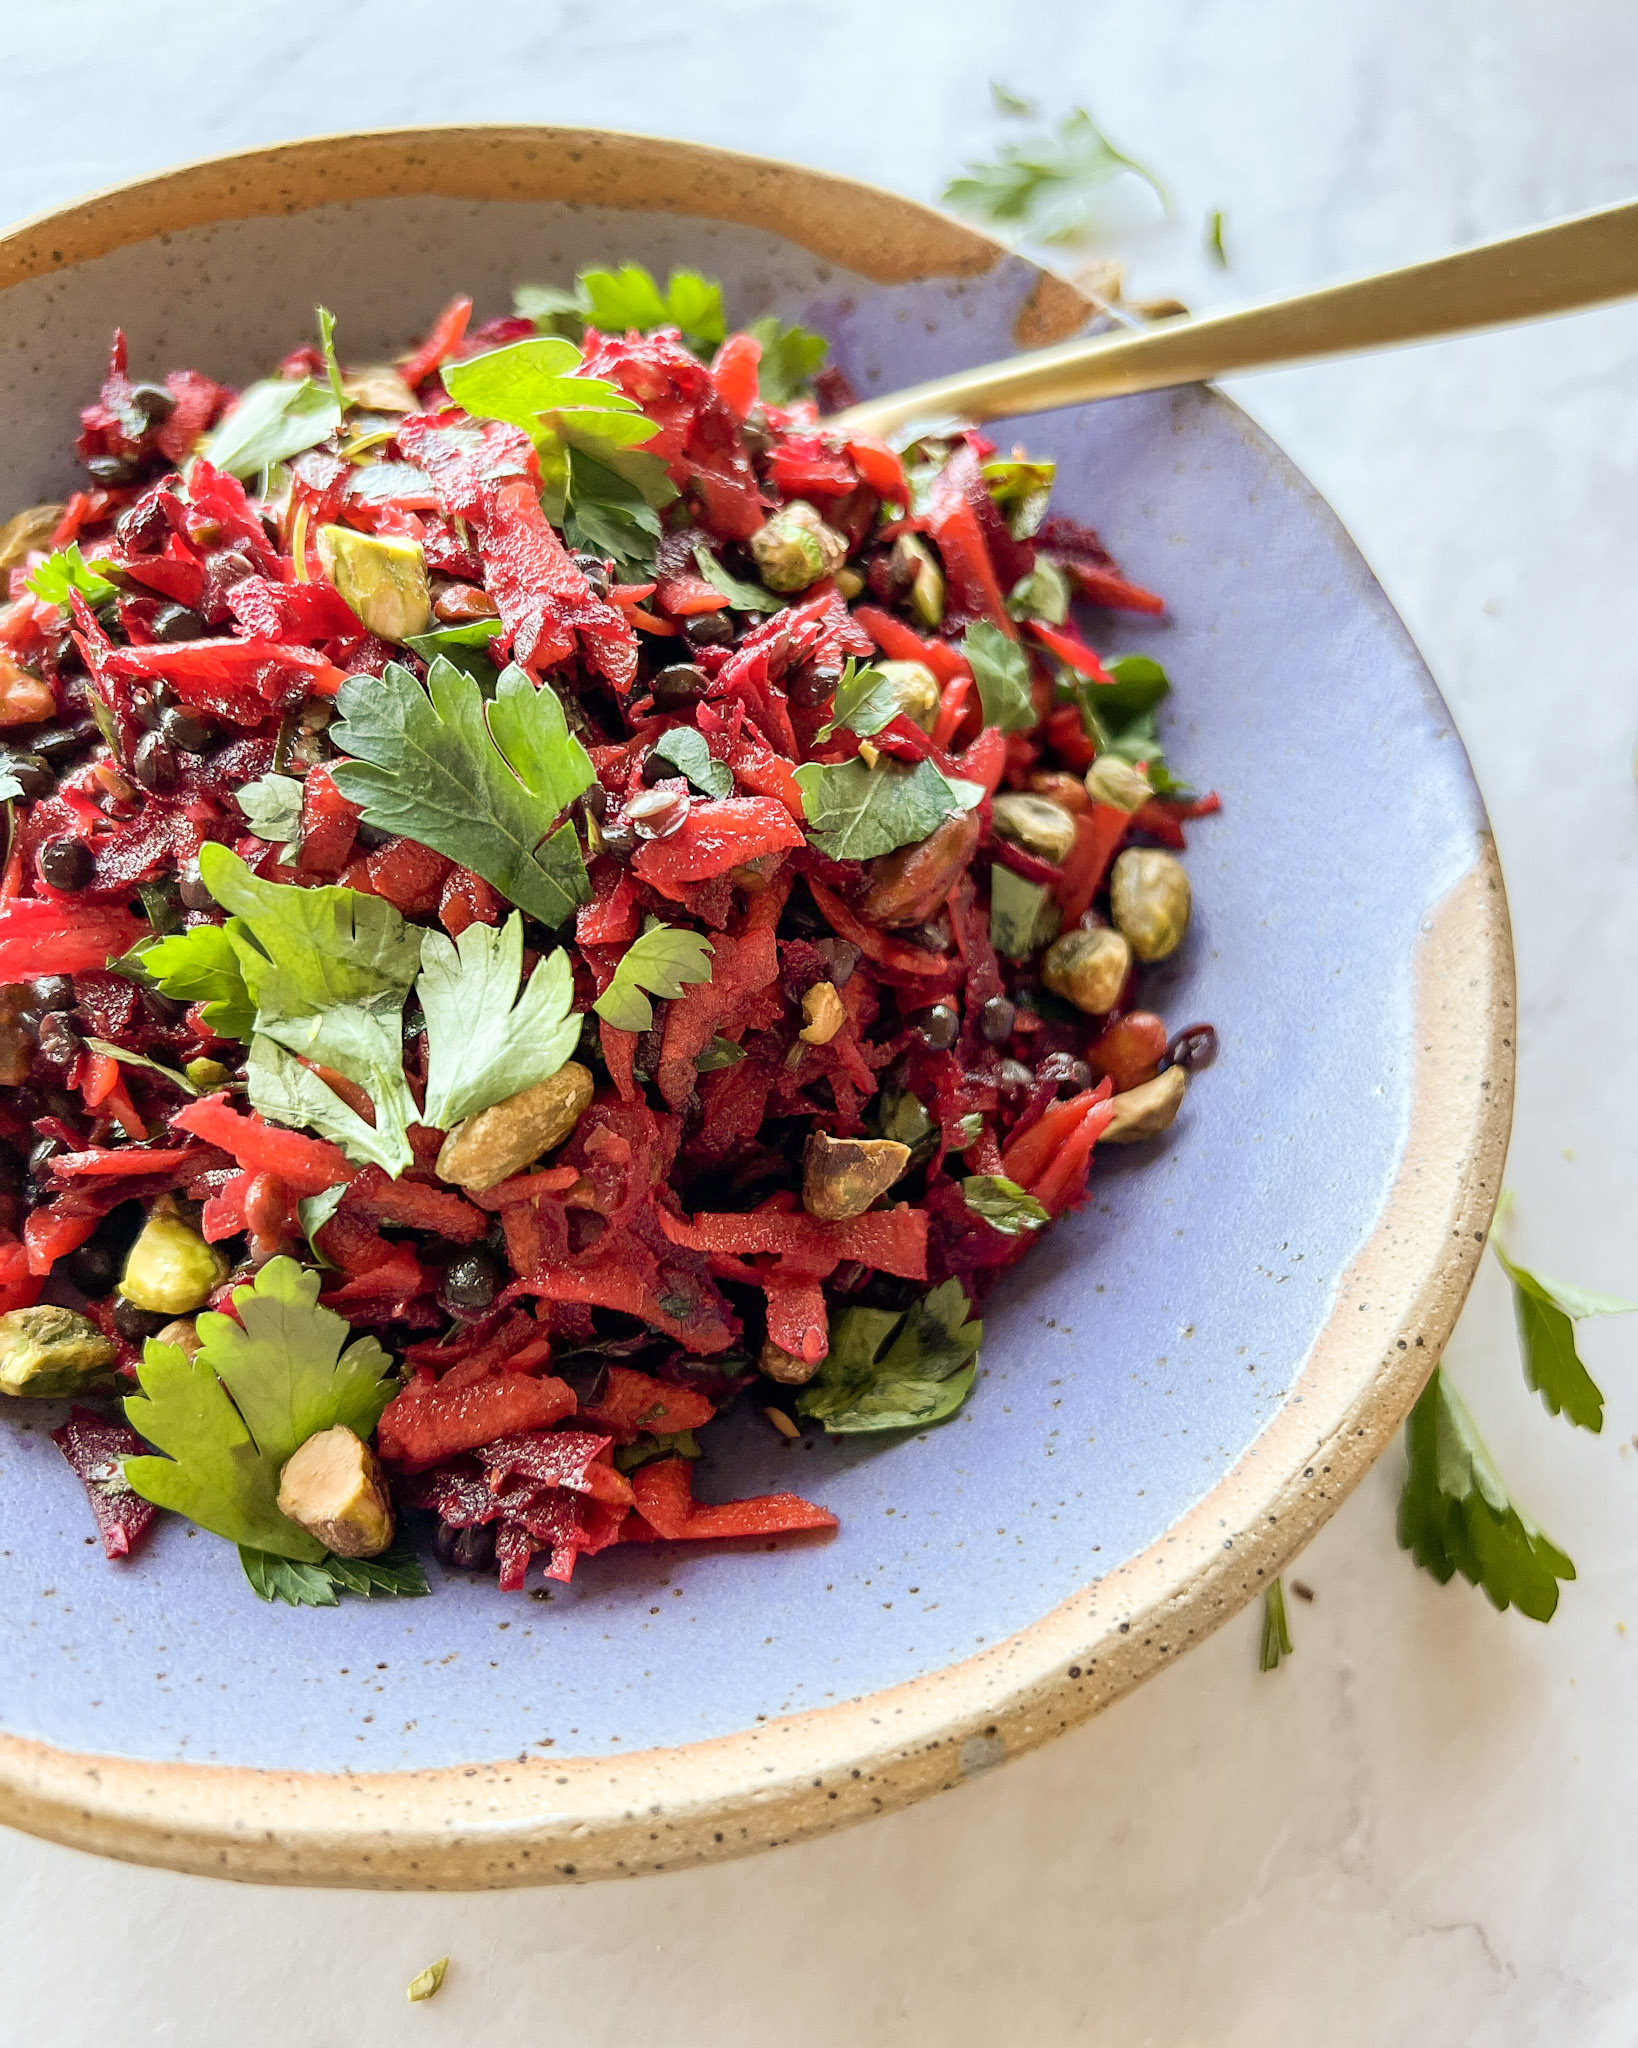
(1147, 1110)
(785, 1366)
(206, 1074)
(25, 531)
(378, 387)
(795, 547)
(1088, 969)
(183, 1332)
(914, 561)
(170, 1270)
(1149, 900)
(500, 1141)
(49, 1352)
(332, 1487)
(1035, 823)
(849, 583)
(822, 1014)
(841, 1177)
(915, 690)
(1115, 782)
(382, 576)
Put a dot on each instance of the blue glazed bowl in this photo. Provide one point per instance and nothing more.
(1176, 1387)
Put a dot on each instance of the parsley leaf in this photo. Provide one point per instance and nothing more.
(1003, 1204)
(1455, 1514)
(865, 701)
(661, 961)
(199, 966)
(791, 356)
(1122, 717)
(483, 785)
(463, 647)
(1020, 912)
(327, 348)
(1547, 1312)
(328, 970)
(1276, 1629)
(744, 597)
(1048, 186)
(678, 1443)
(229, 1418)
(721, 1052)
(314, 1211)
(272, 807)
(617, 300)
(687, 752)
(606, 513)
(1214, 239)
(271, 422)
(314, 1585)
(536, 385)
(1006, 101)
(1001, 670)
(139, 1059)
(484, 1041)
(65, 571)
(855, 812)
(921, 1376)
(286, 1092)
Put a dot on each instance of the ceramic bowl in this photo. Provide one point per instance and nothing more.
(1177, 1388)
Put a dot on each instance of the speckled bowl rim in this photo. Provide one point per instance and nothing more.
(540, 1821)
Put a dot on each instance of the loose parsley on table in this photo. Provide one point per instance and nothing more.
(1048, 186)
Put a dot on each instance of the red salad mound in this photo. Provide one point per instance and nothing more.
(548, 888)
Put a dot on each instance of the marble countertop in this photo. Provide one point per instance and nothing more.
(1419, 1822)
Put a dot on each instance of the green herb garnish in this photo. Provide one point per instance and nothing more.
(854, 812)
(65, 571)
(660, 963)
(485, 1041)
(686, 751)
(1003, 1204)
(228, 1419)
(482, 784)
(272, 422)
(1455, 1514)
(1001, 670)
(887, 1371)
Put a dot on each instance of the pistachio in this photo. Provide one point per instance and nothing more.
(48, 1352)
(1147, 1110)
(915, 690)
(849, 583)
(170, 1270)
(1063, 788)
(841, 1177)
(378, 388)
(333, 1489)
(1035, 823)
(795, 547)
(785, 1366)
(183, 1333)
(822, 1014)
(25, 531)
(1115, 782)
(1089, 969)
(382, 576)
(908, 885)
(501, 1141)
(207, 1074)
(914, 563)
(1149, 900)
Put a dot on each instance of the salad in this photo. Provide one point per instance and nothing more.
(548, 892)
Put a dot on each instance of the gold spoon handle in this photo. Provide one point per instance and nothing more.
(1583, 261)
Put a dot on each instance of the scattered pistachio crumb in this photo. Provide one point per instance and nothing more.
(426, 1984)
(783, 1423)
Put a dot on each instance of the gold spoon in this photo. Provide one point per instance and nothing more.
(1584, 261)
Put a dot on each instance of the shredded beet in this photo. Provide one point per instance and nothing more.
(846, 732)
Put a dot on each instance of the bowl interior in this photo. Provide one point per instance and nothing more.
(1137, 1355)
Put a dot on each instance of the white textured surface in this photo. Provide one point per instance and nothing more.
(1420, 1825)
